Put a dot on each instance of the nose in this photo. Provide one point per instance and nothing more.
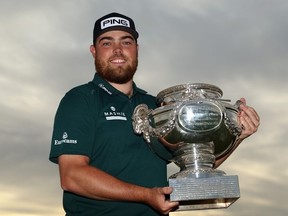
(117, 49)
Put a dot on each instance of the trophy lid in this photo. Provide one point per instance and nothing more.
(189, 90)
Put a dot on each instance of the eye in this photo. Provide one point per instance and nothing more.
(106, 44)
(127, 42)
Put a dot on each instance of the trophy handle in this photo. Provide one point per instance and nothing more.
(232, 124)
(143, 120)
(140, 121)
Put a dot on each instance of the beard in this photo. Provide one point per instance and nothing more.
(120, 74)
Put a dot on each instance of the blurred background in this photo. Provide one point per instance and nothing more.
(239, 45)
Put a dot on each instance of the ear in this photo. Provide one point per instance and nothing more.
(93, 50)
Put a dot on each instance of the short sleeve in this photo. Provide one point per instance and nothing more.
(73, 131)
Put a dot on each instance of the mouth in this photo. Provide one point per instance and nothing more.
(118, 61)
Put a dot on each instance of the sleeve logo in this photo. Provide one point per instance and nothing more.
(65, 140)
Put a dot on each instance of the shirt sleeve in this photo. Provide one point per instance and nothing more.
(73, 131)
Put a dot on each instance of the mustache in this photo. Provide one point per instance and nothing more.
(118, 56)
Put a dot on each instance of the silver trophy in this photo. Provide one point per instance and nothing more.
(195, 127)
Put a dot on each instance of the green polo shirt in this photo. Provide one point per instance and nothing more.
(94, 119)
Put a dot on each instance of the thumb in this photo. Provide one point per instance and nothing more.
(167, 190)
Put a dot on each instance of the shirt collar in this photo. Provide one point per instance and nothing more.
(109, 89)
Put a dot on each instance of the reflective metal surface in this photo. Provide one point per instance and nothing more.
(195, 126)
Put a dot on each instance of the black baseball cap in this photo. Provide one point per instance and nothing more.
(114, 21)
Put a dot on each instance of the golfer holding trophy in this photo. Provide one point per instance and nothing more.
(196, 128)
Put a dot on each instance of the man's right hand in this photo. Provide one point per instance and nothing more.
(158, 201)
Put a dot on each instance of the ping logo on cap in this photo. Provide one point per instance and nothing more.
(114, 21)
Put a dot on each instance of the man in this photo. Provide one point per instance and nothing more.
(105, 168)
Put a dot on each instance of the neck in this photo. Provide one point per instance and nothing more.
(126, 88)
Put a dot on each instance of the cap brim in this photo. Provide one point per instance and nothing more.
(121, 28)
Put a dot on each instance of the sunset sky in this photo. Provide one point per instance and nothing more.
(240, 46)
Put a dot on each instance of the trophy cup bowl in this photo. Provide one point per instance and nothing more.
(195, 127)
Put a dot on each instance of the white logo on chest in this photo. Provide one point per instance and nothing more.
(113, 114)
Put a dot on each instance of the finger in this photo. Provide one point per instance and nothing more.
(252, 112)
(249, 111)
(248, 126)
(172, 206)
(243, 100)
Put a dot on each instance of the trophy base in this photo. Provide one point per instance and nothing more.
(205, 193)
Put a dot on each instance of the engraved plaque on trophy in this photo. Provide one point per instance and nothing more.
(195, 126)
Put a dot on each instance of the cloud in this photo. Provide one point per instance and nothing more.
(239, 46)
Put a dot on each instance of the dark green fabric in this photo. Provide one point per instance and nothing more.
(95, 120)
